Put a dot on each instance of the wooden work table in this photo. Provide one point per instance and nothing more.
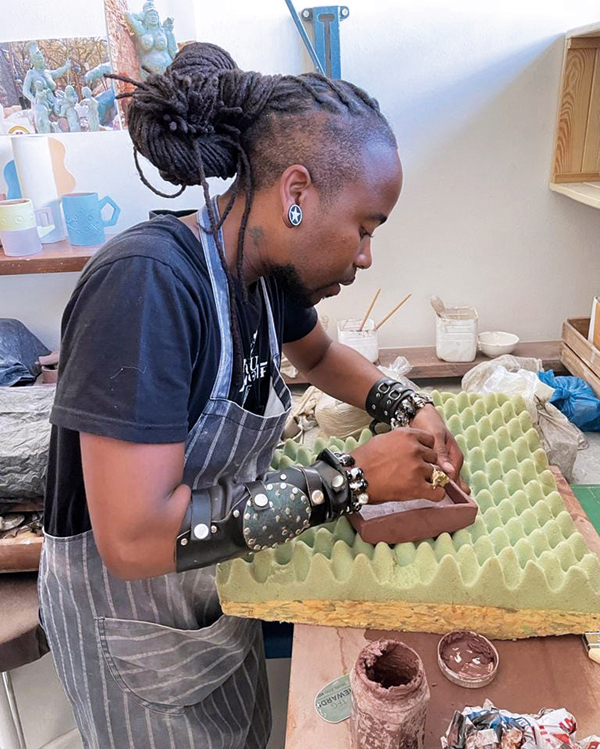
(534, 674)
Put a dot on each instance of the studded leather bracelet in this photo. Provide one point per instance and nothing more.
(231, 519)
(389, 402)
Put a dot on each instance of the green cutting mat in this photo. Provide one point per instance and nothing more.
(589, 497)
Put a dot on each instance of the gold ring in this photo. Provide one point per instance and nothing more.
(439, 478)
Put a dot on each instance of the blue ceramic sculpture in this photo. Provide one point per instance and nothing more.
(154, 40)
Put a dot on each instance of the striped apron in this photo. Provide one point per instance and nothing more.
(154, 663)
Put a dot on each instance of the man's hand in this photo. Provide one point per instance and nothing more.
(399, 465)
(450, 458)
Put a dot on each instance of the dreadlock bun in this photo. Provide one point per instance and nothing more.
(196, 112)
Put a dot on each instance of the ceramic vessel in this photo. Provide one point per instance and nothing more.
(389, 697)
(415, 520)
(496, 343)
(21, 227)
(83, 214)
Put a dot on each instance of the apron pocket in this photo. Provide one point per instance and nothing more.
(169, 669)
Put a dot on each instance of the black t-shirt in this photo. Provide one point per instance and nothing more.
(140, 353)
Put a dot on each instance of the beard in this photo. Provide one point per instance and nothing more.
(291, 284)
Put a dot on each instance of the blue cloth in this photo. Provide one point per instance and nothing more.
(576, 399)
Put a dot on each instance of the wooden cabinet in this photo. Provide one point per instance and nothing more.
(576, 160)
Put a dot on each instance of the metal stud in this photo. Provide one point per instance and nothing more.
(236, 513)
(317, 497)
(184, 542)
(264, 528)
(363, 498)
(305, 524)
(298, 518)
(295, 490)
(247, 516)
(261, 500)
(283, 477)
(283, 486)
(338, 482)
(277, 518)
(201, 531)
(252, 541)
(213, 529)
(246, 531)
(269, 487)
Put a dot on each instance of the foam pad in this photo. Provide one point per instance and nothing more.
(522, 553)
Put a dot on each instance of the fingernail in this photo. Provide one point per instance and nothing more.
(448, 467)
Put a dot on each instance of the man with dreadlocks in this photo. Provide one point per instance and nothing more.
(170, 401)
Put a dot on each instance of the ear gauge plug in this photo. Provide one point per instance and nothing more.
(295, 215)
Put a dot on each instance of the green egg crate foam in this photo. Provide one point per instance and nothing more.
(522, 552)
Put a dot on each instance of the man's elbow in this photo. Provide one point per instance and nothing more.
(127, 560)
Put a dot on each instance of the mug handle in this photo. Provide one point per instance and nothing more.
(44, 221)
(115, 214)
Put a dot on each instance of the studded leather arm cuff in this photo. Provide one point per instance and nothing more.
(230, 519)
(390, 402)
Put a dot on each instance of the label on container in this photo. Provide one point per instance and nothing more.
(334, 701)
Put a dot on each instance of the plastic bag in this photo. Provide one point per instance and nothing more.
(339, 419)
(576, 399)
(518, 376)
(24, 441)
(19, 352)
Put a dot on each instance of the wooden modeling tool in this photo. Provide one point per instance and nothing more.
(368, 312)
(393, 312)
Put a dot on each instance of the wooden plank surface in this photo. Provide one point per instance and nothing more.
(533, 674)
(574, 108)
(58, 257)
(579, 368)
(591, 148)
(20, 554)
(426, 365)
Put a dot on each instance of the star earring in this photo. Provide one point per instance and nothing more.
(295, 215)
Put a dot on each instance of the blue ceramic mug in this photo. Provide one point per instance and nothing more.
(83, 215)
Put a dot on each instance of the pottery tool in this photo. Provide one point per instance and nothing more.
(591, 641)
(393, 312)
(366, 317)
(438, 306)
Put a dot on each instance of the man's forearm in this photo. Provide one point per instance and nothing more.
(344, 374)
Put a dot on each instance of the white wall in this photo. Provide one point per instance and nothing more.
(471, 91)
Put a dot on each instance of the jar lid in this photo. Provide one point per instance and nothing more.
(468, 659)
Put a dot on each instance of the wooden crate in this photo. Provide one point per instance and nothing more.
(576, 161)
(578, 355)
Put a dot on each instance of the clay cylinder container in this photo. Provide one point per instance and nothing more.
(389, 697)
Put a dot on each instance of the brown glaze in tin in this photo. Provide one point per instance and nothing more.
(468, 659)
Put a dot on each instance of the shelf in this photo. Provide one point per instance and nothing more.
(576, 161)
(58, 257)
(583, 192)
(426, 365)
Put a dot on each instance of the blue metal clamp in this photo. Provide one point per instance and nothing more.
(326, 26)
